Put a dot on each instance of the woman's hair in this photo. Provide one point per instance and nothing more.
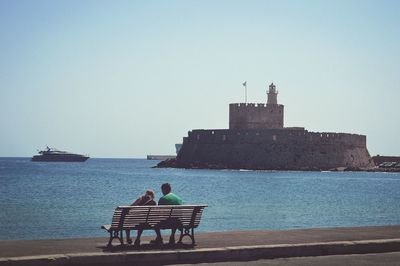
(150, 193)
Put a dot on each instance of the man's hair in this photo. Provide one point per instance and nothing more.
(166, 187)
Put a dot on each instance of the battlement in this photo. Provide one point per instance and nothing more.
(295, 136)
(252, 105)
(244, 105)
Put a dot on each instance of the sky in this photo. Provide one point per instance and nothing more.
(123, 79)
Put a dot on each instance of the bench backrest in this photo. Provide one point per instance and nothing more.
(163, 216)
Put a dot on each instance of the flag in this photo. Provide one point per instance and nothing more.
(245, 83)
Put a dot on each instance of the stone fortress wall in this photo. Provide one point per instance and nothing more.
(274, 149)
(202, 136)
(242, 115)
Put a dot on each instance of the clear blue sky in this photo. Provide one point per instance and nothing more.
(130, 78)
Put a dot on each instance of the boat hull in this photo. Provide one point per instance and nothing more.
(59, 158)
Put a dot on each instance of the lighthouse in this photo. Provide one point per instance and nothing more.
(272, 95)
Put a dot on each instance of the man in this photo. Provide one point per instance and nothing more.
(169, 198)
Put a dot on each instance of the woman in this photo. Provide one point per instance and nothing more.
(146, 199)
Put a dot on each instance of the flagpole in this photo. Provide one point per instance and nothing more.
(245, 91)
(245, 97)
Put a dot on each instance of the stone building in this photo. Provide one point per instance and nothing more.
(257, 139)
(259, 115)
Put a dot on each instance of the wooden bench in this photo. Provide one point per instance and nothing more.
(182, 217)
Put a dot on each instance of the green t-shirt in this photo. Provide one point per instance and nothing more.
(170, 199)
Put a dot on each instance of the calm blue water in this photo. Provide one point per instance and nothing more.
(64, 200)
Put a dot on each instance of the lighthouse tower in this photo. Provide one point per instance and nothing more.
(257, 115)
(272, 95)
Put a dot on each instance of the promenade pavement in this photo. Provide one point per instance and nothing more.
(211, 247)
(380, 259)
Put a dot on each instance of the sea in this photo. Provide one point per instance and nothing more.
(40, 200)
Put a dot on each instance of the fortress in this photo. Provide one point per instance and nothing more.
(257, 139)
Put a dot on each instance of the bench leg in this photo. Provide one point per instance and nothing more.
(113, 235)
(110, 240)
(188, 232)
(121, 239)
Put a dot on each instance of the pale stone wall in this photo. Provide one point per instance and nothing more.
(277, 149)
(255, 116)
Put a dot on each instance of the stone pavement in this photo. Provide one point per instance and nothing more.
(211, 247)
